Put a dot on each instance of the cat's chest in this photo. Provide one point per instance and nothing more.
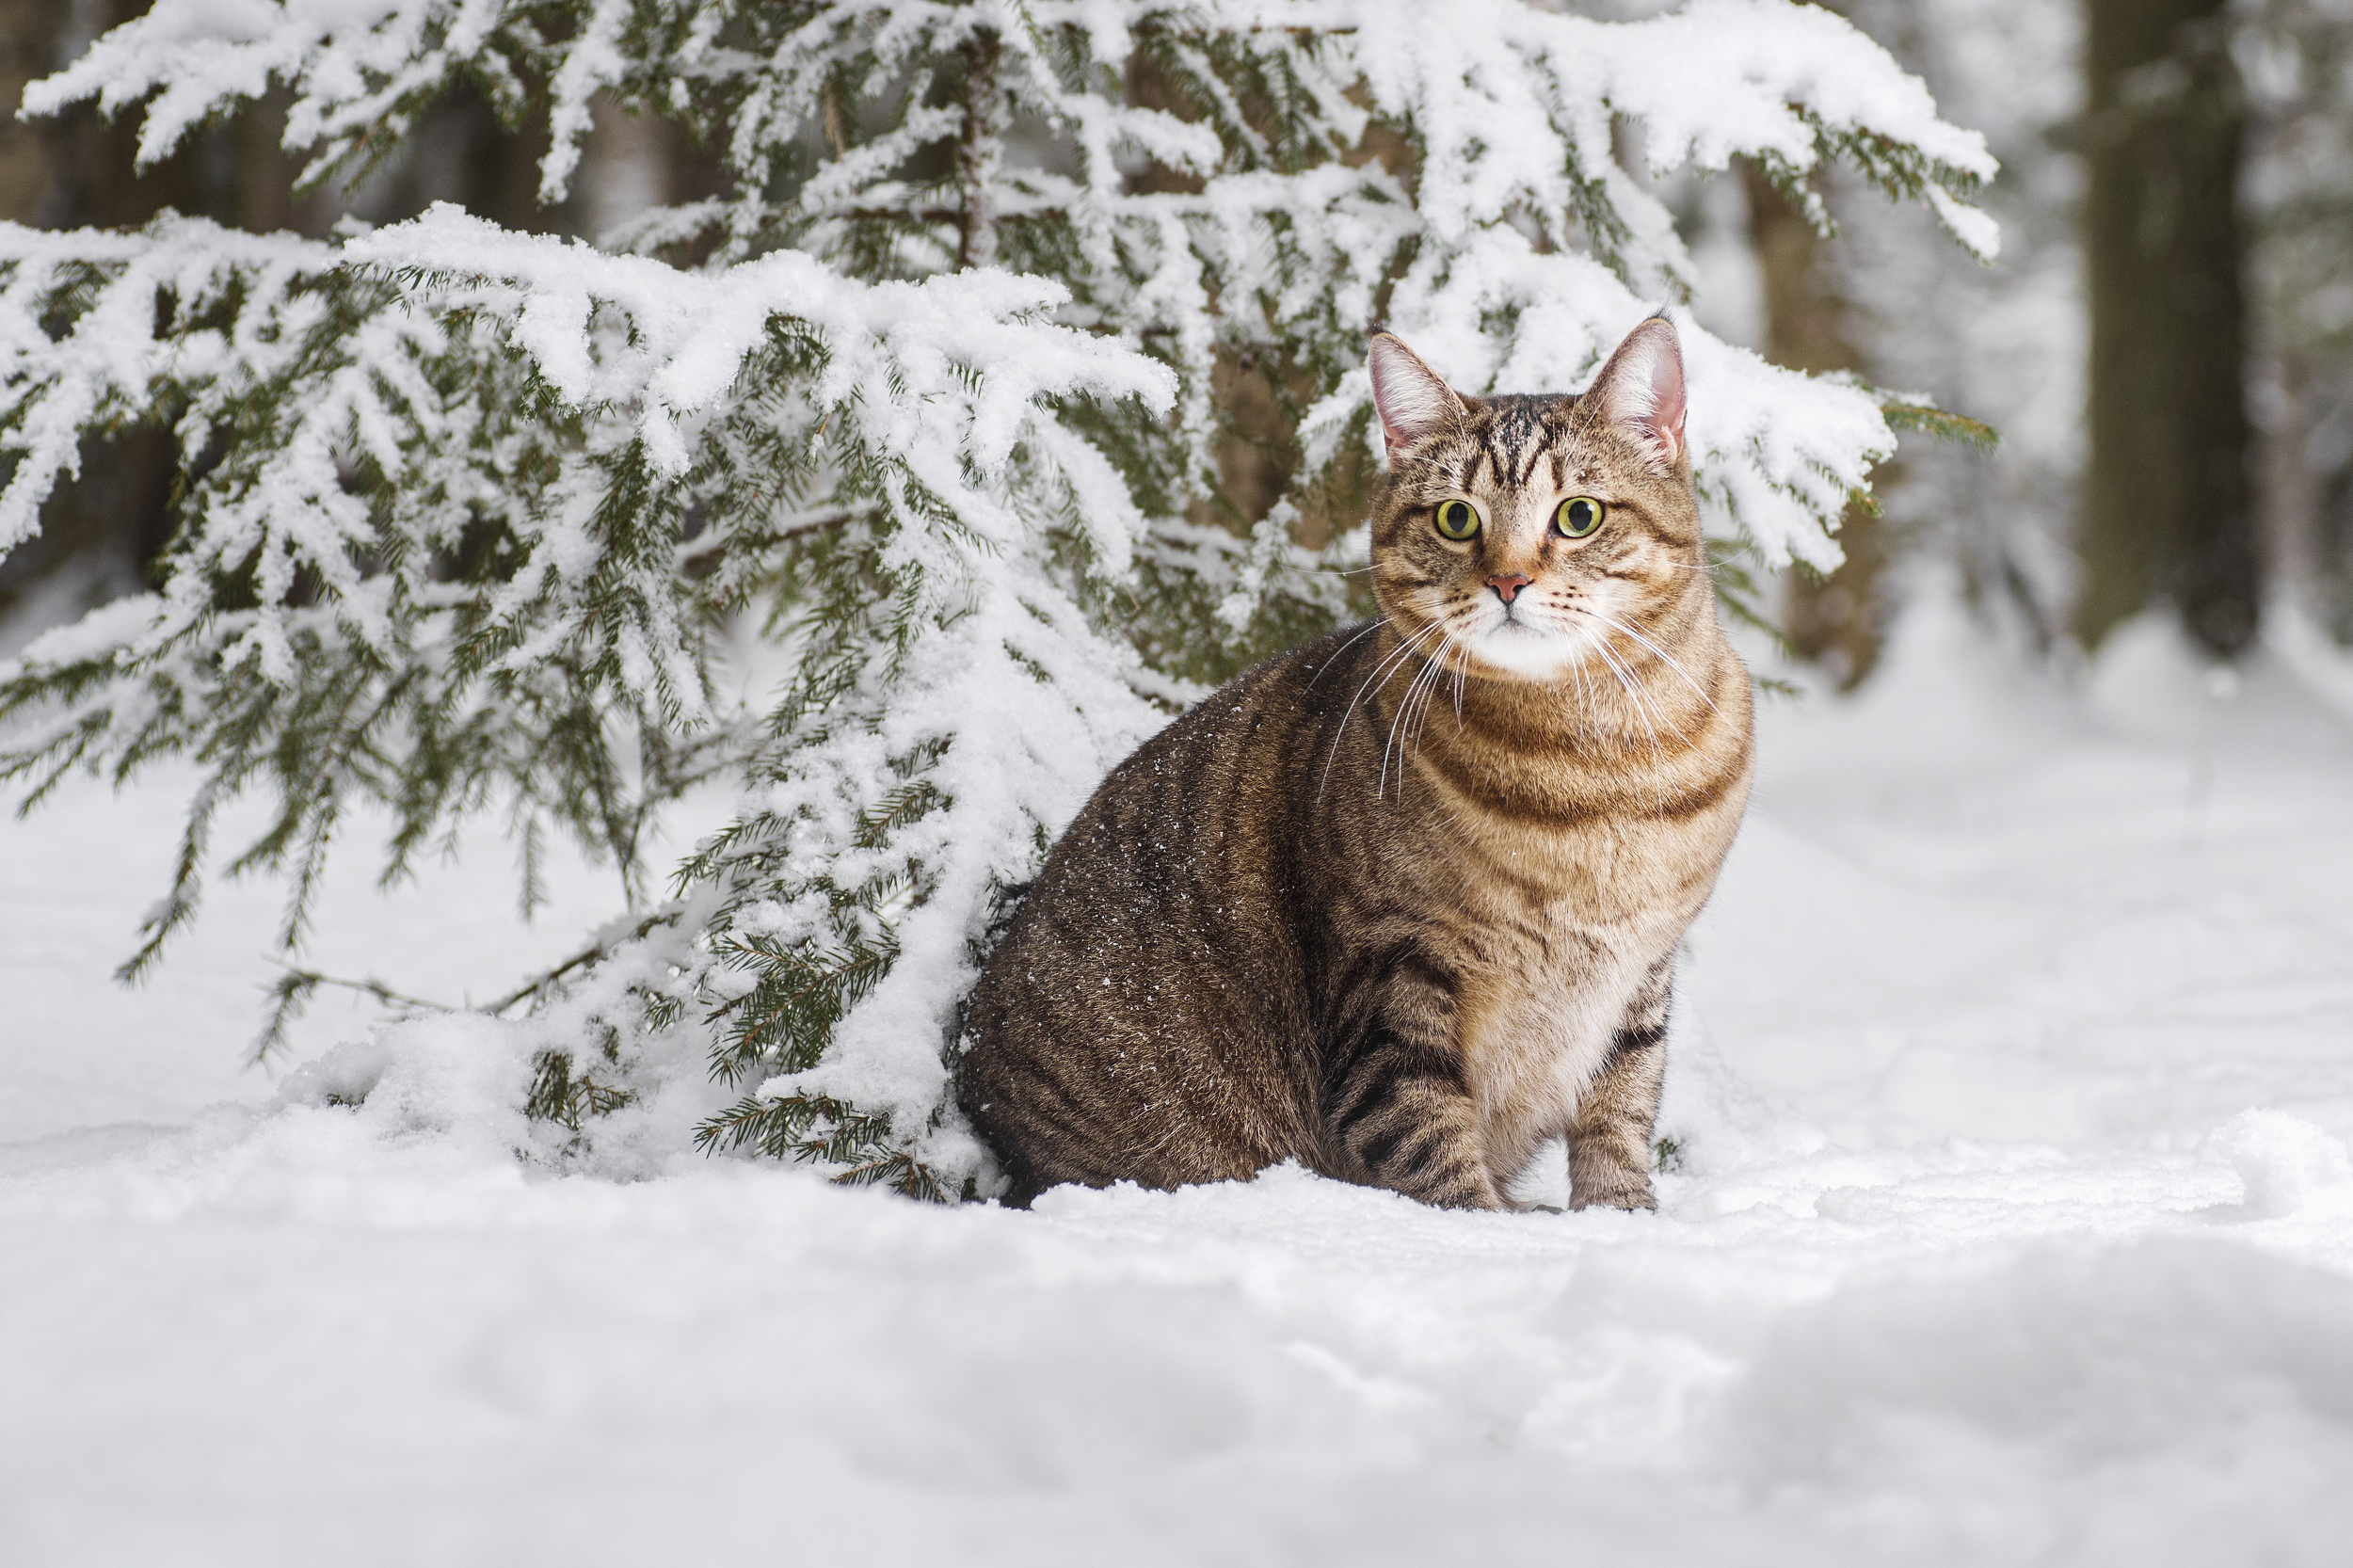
(1540, 1000)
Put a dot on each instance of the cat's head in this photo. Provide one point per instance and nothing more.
(1519, 532)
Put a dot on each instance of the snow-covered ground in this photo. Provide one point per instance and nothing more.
(2014, 1224)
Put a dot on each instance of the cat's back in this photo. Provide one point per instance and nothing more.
(1143, 1016)
(1204, 805)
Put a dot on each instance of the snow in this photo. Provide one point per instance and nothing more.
(77, 876)
(2014, 1223)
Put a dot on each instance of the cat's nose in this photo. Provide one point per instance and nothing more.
(1506, 584)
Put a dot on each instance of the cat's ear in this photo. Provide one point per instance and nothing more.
(1413, 399)
(1640, 391)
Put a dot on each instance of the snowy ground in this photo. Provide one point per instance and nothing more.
(2015, 1224)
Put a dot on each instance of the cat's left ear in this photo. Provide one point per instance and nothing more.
(1640, 391)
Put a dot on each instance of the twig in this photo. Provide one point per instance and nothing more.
(292, 989)
(311, 978)
(589, 955)
(708, 544)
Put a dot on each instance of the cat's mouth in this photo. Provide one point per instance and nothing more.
(1514, 643)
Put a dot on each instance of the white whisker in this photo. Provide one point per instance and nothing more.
(1625, 679)
(1379, 671)
(1362, 632)
(1422, 717)
(1639, 690)
(1405, 705)
(1666, 657)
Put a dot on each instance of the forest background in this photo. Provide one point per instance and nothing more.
(2006, 1201)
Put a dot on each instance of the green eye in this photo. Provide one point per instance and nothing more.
(1458, 521)
(1578, 516)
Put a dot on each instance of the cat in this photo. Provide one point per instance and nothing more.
(1402, 905)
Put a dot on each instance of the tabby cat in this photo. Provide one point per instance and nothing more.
(1404, 905)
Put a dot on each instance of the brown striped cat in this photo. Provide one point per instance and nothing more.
(1404, 905)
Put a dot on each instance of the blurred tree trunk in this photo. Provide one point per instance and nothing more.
(460, 153)
(28, 42)
(2168, 507)
(1835, 621)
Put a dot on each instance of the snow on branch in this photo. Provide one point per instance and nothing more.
(906, 353)
(335, 341)
(1537, 249)
(358, 69)
(446, 531)
(1511, 108)
(1501, 90)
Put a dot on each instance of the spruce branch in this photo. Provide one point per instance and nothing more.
(1913, 414)
(290, 996)
(538, 985)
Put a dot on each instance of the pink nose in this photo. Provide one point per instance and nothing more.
(1507, 586)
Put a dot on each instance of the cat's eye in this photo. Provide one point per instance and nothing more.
(1577, 517)
(1458, 521)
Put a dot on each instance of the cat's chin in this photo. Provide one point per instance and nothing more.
(1515, 650)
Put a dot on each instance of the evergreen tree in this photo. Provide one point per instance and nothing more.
(924, 401)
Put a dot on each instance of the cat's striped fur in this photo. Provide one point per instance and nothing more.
(1404, 905)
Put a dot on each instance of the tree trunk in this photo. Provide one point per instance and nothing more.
(2168, 507)
(1835, 621)
(979, 151)
(28, 42)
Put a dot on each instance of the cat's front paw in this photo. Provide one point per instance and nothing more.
(1630, 1190)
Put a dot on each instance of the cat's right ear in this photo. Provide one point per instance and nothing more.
(1641, 391)
(1413, 400)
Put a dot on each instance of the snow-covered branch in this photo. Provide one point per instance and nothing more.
(446, 534)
